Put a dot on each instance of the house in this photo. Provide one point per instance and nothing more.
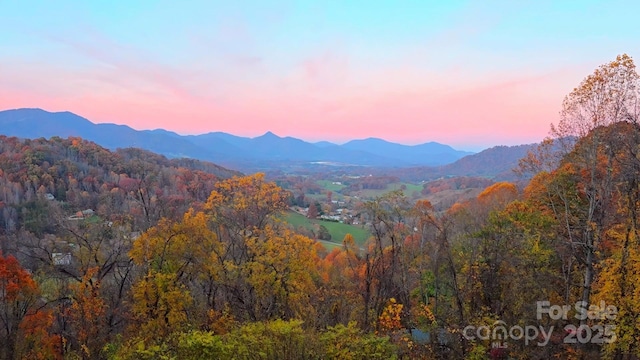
(49, 196)
(61, 259)
(81, 215)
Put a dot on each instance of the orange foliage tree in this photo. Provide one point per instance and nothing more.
(24, 329)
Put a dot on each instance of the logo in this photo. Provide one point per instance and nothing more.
(499, 334)
(593, 329)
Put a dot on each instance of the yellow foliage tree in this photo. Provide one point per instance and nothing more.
(618, 285)
(172, 255)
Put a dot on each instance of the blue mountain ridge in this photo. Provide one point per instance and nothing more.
(223, 148)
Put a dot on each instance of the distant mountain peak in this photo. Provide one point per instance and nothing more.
(370, 139)
(269, 134)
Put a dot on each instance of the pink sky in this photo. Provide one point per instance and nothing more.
(309, 104)
(457, 72)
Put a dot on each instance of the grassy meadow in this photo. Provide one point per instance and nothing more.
(337, 230)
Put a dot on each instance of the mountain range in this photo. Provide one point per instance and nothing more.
(243, 153)
(496, 163)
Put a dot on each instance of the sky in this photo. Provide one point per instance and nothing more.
(470, 74)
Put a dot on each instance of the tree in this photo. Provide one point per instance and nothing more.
(618, 278)
(606, 97)
(439, 283)
(245, 203)
(312, 212)
(339, 298)
(235, 257)
(18, 298)
(87, 316)
(385, 265)
(323, 233)
(280, 276)
(243, 214)
(172, 255)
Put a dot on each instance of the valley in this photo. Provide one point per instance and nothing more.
(319, 180)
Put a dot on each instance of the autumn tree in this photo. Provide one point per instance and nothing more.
(84, 251)
(439, 283)
(606, 97)
(20, 319)
(280, 275)
(243, 214)
(312, 212)
(592, 193)
(340, 284)
(87, 317)
(243, 204)
(234, 257)
(618, 270)
(385, 266)
(171, 255)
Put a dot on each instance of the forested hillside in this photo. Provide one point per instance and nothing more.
(174, 262)
(43, 181)
(497, 163)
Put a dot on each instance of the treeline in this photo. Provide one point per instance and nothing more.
(455, 183)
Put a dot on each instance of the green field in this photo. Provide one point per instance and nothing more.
(409, 190)
(337, 230)
(329, 245)
(329, 185)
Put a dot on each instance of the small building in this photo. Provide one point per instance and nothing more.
(81, 215)
(61, 259)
